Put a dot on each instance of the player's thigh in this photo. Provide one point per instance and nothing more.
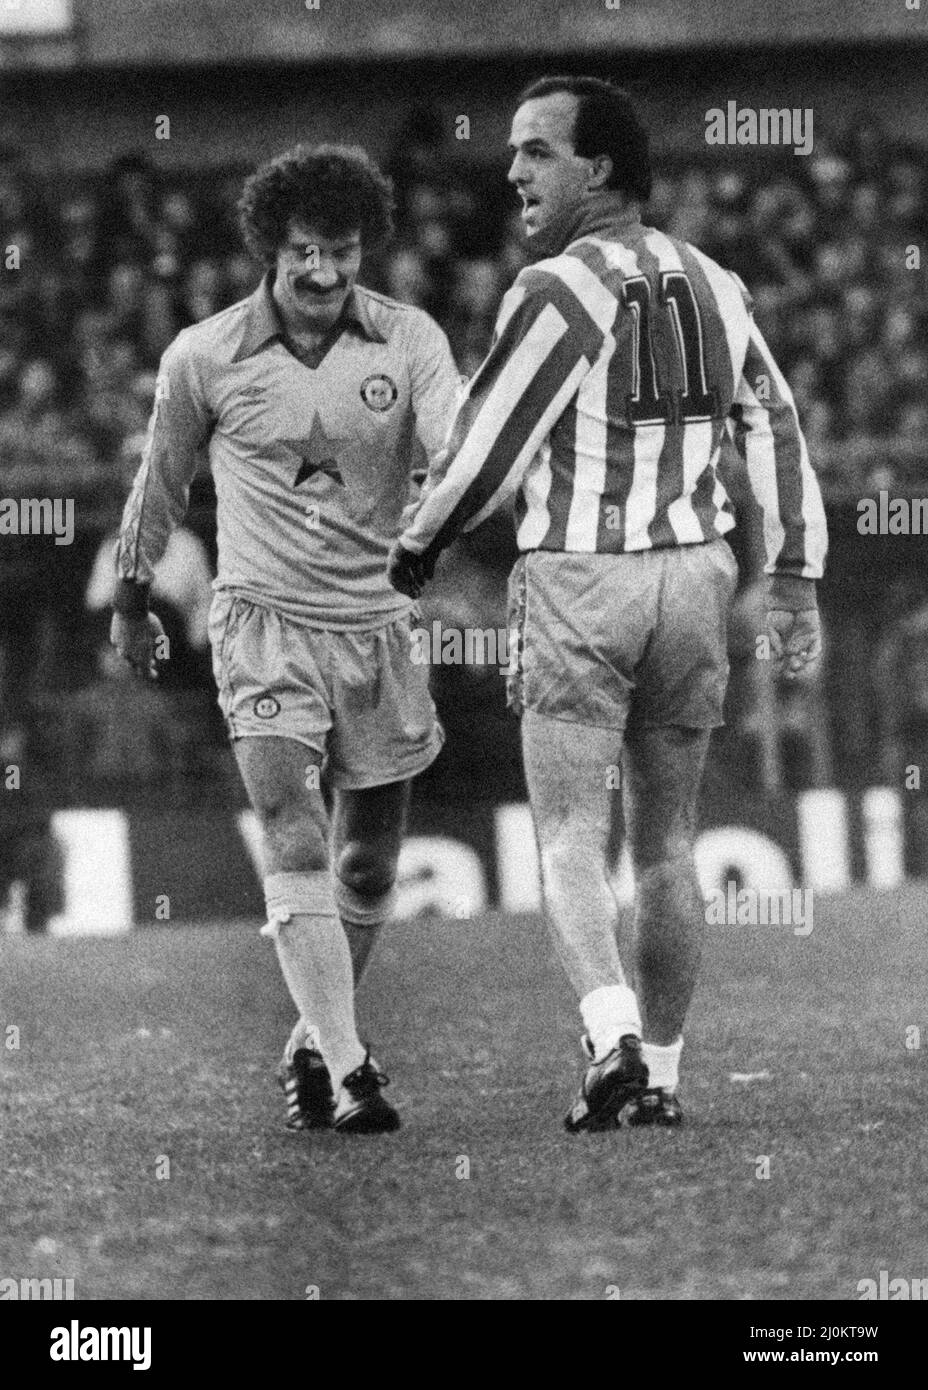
(682, 676)
(281, 778)
(270, 674)
(571, 771)
(368, 825)
(663, 766)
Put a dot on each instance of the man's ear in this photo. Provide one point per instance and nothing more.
(600, 172)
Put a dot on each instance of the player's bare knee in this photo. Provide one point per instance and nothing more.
(365, 869)
(294, 833)
(364, 883)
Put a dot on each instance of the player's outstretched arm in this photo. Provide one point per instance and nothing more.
(769, 438)
(179, 427)
(545, 343)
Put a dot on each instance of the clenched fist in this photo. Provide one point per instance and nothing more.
(407, 571)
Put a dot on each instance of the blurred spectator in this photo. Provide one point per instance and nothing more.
(30, 855)
(473, 302)
(408, 279)
(129, 205)
(122, 733)
(202, 291)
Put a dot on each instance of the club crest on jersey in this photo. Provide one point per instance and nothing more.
(379, 392)
(266, 707)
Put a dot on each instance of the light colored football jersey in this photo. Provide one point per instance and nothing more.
(312, 464)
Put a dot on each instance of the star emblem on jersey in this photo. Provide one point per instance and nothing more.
(319, 452)
(324, 455)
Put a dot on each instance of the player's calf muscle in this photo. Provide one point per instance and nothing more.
(665, 850)
(668, 893)
(573, 850)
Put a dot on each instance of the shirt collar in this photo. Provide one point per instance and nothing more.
(604, 213)
(263, 324)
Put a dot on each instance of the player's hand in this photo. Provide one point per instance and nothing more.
(407, 571)
(418, 478)
(795, 641)
(135, 640)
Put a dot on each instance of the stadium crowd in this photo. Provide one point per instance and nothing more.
(108, 269)
(100, 272)
(104, 271)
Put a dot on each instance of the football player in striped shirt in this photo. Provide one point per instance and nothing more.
(621, 360)
(307, 397)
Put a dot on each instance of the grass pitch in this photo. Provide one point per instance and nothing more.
(142, 1151)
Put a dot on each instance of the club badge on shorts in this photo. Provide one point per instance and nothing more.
(266, 707)
(379, 392)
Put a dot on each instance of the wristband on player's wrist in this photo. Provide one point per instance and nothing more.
(131, 599)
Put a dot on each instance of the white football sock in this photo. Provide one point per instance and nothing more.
(663, 1064)
(304, 1035)
(316, 963)
(295, 1040)
(608, 1014)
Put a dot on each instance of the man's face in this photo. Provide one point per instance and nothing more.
(315, 274)
(549, 176)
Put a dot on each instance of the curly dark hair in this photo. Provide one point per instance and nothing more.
(332, 188)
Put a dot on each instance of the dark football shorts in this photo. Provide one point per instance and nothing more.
(608, 640)
(355, 697)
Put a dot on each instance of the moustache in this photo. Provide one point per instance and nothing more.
(308, 287)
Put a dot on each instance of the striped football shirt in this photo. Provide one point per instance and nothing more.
(617, 369)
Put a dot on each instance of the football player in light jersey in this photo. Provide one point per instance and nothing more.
(308, 398)
(621, 360)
